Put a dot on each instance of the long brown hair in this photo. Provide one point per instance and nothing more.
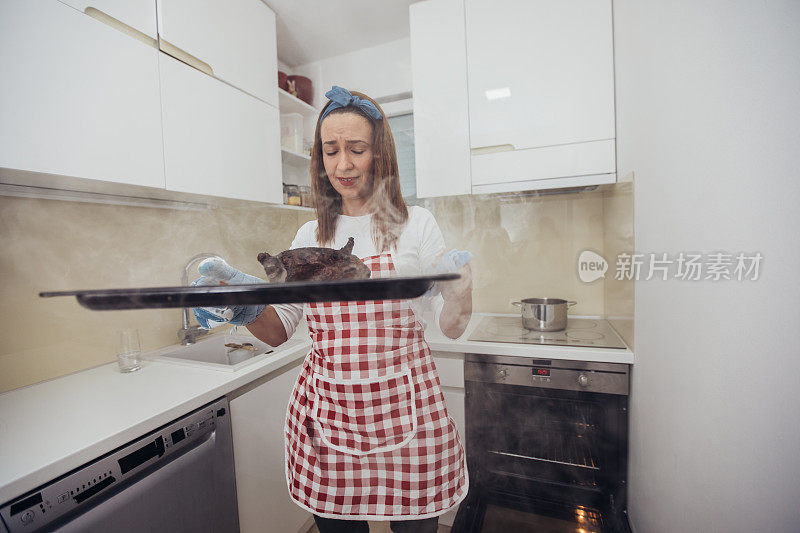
(389, 210)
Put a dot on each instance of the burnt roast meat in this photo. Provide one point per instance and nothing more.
(314, 264)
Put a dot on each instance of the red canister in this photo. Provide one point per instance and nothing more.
(305, 91)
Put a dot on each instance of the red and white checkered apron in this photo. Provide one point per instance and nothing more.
(367, 432)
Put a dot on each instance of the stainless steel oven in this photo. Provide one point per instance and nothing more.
(546, 445)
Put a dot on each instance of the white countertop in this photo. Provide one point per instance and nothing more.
(438, 342)
(52, 427)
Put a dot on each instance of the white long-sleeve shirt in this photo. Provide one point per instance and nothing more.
(416, 249)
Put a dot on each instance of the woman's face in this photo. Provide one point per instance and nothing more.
(347, 155)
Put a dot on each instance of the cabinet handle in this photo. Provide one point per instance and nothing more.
(483, 150)
(184, 56)
(120, 26)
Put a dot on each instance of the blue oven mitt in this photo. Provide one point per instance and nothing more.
(452, 261)
(213, 271)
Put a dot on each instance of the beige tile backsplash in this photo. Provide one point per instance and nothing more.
(618, 238)
(526, 247)
(523, 247)
(58, 245)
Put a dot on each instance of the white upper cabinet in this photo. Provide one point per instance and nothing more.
(540, 72)
(78, 98)
(439, 85)
(138, 14)
(234, 38)
(86, 94)
(540, 94)
(218, 141)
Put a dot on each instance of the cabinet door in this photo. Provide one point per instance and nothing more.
(218, 141)
(78, 98)
(236, 38)
(541, 73)
(138, 14)
(441, 125)
(257, 420)
(450, 367)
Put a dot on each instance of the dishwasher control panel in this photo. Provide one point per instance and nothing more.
(59, 499)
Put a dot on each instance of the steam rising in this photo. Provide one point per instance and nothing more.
(388, 220)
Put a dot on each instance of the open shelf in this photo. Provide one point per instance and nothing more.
(297, 207)
(292, 104)
(293, 158)
(295, 165)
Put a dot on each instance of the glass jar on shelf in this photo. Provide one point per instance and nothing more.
(291, 195)
(292, 132)
(306, 198)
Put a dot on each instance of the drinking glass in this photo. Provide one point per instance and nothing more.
(129, 351)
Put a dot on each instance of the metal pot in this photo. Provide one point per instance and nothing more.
(544, 314)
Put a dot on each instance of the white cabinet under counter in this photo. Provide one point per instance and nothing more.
(79, 97)
(218, 140)
(258, 415)
(450, 368)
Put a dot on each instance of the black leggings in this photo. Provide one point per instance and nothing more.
(333, 525)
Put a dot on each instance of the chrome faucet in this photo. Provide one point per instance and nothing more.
(189, 334)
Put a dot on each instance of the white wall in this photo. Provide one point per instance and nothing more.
(709, 121)
(285, 68)
(378, 71)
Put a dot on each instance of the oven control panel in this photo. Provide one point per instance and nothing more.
(607, 378)
(541, 375)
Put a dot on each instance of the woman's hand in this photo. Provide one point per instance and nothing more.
(215, 271)
(457, 308)
(458, 289)
(261, 320)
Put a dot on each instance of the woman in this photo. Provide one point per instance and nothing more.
(367, 432)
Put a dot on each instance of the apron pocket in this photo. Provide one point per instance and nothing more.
(361, 417)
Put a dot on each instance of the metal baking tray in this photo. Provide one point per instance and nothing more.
(395, 288)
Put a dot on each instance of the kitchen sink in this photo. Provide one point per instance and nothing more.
(211, 352)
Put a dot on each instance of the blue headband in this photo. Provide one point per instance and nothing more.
(342, 98)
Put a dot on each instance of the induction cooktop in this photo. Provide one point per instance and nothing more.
(590, 332)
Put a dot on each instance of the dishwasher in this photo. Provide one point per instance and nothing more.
(177, 478)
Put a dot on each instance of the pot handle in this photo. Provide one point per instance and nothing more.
(571, 303)
(518, 304)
